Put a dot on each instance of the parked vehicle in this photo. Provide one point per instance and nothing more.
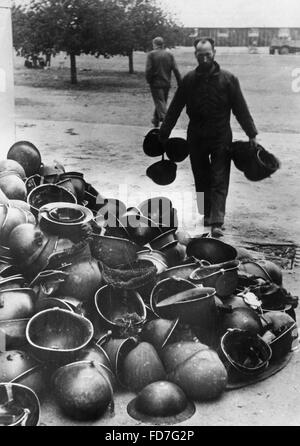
(284, 45)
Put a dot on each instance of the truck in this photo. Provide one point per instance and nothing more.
(284, 45)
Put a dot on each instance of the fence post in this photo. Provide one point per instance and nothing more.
(2, 341)
(7, 117)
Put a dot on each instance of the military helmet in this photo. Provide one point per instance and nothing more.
(26, 154)
(163, 172)
(152, 146)
(177, 149)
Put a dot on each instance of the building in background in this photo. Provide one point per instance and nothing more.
(249, 37)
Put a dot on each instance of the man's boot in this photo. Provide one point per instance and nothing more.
(217, 230)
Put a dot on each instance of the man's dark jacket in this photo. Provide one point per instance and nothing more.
(209, 100)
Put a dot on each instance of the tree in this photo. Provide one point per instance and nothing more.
(24, 32)
(98, 27)
(144, 20)
(74, 26)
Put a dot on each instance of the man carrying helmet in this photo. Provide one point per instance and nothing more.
(159, 67)
(209, 95)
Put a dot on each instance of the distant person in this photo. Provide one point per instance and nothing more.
(159, 67)
(34, 58)
(209, 95)
(28, 63)
(48, 53)
(42, 62)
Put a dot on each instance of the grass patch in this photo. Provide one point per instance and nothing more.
(95, 80)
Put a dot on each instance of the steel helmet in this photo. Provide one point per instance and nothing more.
(58, 335)
(244, 353)
(64, 219)
(152, 146)
(274, 271)
(52, 170)
(210, 249)
(48, 193)
(262, 164)
(163, 172)
(177, 149)
(256, 162)
(19, 405)
(12, 166)
(240, 154)
(142, 366)
(241, 318)
(26, 154)
(12, 185)
(83, 389)
(161, 401)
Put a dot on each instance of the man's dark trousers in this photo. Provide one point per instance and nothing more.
(160, 98)
(210, 161)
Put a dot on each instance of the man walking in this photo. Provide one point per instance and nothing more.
(159, 67)
(210, 94)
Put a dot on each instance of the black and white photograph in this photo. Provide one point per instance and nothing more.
(149, 215)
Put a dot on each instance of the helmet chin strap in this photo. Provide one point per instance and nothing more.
(112, 403)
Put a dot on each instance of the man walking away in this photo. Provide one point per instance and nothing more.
(210, 94)
(159, 67)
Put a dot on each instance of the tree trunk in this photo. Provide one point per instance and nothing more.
(73, 69)
(130, 58)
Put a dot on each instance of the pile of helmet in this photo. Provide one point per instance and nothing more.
(44, 215)
(95, 296)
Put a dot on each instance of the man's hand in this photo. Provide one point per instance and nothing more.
(253, 142)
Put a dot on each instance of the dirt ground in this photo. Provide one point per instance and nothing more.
(98, 126)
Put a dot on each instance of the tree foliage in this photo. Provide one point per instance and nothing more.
(98, 27)
(143, 21)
